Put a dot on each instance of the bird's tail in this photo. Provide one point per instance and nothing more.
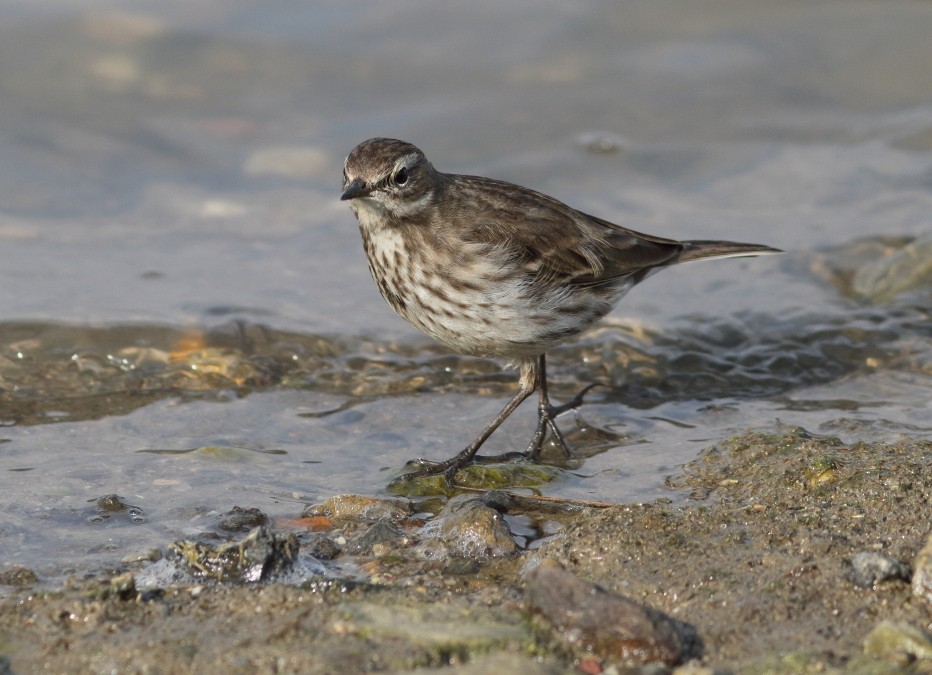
(700, 250)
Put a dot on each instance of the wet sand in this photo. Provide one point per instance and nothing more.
(753, 553)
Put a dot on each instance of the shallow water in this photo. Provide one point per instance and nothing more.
(186, 317)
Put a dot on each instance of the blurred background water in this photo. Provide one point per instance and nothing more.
(186, 316)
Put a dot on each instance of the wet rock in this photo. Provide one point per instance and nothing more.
(467, 528)
(592, 621)
(377, 540)
(261, 554)
(867, 569)
(240, 519)
(112, 505)
(898, 641)
(361, 507)
(477, 477)
(922, 574)
(322, 548)
(19, 576)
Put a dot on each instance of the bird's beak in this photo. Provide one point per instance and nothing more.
(355, 189)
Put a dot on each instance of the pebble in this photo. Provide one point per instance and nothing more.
(867, 569)
(467, 528)
(380, 536)
(239, 519)
(361, 507)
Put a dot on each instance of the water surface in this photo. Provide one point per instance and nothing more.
(186, 317)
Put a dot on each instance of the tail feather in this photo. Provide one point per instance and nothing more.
(700, 250)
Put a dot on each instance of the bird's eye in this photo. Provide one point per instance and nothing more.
(401, 176)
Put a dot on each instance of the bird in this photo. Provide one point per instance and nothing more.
(494, 269)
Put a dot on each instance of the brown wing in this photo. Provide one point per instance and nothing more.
(554, 241)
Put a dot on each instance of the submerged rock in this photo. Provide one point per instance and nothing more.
(592, 621)
(112, 505)
(239, 519)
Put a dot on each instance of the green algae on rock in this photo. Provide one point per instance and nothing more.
(518, 474)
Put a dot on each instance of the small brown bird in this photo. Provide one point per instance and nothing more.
(495, 269)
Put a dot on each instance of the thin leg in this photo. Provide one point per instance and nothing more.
(545, 417)
(547, 414)
(528, 382)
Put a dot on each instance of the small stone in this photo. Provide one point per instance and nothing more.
(110, 503)
(113, 505)
(240, 519)
(590, 620)
(379, 535)
(361, 507)
(467, 528)
(867, 569)
(322, 548)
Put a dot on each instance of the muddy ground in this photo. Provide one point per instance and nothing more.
(755, 555)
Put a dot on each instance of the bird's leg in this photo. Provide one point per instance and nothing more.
(527, 384)
(545, 417)
(547, 414)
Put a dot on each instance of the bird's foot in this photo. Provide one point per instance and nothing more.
(546, 419)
